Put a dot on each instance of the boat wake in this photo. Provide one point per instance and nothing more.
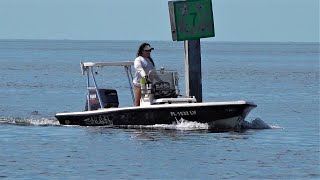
(186, 125)
(256, 124)
(182, 124)
(179, 124)
(29, 121)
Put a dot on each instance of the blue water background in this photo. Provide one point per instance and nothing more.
(39, 78)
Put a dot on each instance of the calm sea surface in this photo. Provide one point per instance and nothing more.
(41, 78)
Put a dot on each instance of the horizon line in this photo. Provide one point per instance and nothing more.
(203, 40)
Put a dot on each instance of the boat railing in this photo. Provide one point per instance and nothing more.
(88, 69)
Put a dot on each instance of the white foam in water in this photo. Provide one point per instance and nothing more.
(256, 124)
(30, 121)
(182, 124)
(275, 127)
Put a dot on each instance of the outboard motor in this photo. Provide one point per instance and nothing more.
(109, 99)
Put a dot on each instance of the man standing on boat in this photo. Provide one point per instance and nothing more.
(142, 64)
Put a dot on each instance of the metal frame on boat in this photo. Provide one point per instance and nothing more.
(87, 67)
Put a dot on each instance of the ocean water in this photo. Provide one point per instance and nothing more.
(39, 78)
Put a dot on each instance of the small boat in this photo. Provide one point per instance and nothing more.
(160, 103)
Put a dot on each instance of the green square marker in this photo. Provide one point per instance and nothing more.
(191, 19)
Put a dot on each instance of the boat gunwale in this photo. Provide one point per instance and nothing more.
(156, 106)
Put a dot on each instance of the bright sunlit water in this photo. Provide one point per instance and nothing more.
(41, 78)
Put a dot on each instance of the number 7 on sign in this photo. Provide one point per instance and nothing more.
(194, 14)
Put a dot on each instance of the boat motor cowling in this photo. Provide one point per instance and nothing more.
(109, 98)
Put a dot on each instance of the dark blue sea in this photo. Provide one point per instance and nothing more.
(39, 78)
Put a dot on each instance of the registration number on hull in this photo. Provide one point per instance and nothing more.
(183, 113)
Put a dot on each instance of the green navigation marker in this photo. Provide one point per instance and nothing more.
(191, 19)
